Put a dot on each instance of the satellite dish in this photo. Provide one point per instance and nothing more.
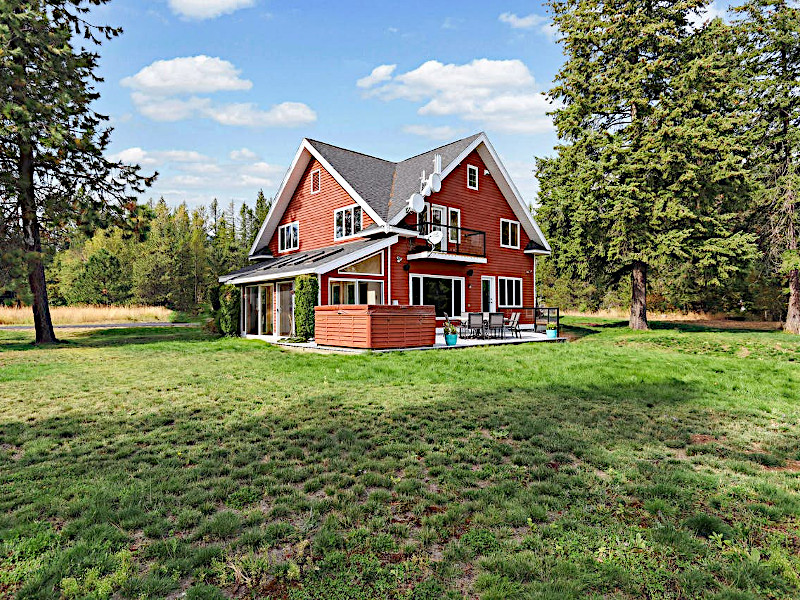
(416, 203)
(435, 182)
(435, 237)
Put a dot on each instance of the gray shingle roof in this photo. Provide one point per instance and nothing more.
(306, 261)
(383, 184)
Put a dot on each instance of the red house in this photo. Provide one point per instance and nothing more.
(446, 228)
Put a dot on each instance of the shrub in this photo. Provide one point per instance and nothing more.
(228, 313)
(306, 290)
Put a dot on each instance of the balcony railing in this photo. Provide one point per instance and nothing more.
(455, 240)
(541, 317)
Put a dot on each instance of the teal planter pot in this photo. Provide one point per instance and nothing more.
(552, 334)
(450, 339)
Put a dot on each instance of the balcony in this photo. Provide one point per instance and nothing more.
(458, 244)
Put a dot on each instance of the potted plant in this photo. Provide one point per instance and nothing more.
(552, 331)
(450, 333)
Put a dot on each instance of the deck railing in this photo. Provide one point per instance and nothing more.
(542, 316)
(455, 240)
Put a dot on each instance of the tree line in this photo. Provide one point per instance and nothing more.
(677, 163)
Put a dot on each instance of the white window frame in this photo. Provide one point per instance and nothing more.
(340, 272)
(283, 228)
(477, 173)
(318, 173)
(509, 222)
(450, 231)
(420, 276)
(503, 281)
(333, 280)
(351, 209)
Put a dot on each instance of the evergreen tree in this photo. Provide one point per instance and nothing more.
(100, 281)
(51, 141)
(770, 38)
(651, 169)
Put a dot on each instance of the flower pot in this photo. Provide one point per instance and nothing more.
(450, 339)
(552, 334)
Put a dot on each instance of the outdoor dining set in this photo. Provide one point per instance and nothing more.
(490, 324)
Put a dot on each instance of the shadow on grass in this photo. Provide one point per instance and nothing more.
(103, 338)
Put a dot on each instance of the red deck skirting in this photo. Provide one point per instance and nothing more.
(375, 326)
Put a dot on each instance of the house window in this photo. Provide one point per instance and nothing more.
(509, 292)
(454, 221)
(346, 221)
(445, 293)
(472, 177)
(372, 265)
(509, 233)
(316, 181)
(355, 291)
(289, 237)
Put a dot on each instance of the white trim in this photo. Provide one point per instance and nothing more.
(477, 175)
(521, 285)
(451, 210)
(504, 182)
(411, 276)
(280, 250)
(492, 292)
(388, 276)
(538, 252)
(355, 234)
(478, 260)
(339, 270)
(321, 270)
(510, 222)
(318, 172)
(356, 281)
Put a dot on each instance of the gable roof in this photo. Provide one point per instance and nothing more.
(383, 187)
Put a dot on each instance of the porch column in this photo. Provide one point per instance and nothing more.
(534, 282)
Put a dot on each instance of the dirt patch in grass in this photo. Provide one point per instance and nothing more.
(702, 438)
(791, 466)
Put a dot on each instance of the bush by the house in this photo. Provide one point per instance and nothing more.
(228, 313)
(306, 291)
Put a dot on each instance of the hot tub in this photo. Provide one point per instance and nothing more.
(375, 326)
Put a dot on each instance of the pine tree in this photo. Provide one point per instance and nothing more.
(650, 172)
(101, 281)
(770, 39)
(52, 143)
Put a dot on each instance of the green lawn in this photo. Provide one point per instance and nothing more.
(142, 463)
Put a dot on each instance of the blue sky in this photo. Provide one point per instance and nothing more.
(217, 94)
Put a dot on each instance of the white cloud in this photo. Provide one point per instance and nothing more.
(516, 22)
(439, 133)
(499, 94)
(379, 74)
(533, 21)
(207, 9)
(706, 14)
(167, 90)
(242, 154)
(187, 75)
(286, 114)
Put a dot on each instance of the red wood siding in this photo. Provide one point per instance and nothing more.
(315, 211)
(364, 326)
(481, 209)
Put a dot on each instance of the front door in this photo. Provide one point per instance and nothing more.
(285, 309)
(487, 294)
(438, 219)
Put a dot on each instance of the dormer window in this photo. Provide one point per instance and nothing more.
(289, 237)
(346, 222)
(472, 177)
(509, 233)
(315, 181)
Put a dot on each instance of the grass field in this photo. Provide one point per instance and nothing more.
(79, 315)
(145, 463)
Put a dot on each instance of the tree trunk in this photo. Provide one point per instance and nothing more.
(33, 248)
(792, 324)
(638, 318)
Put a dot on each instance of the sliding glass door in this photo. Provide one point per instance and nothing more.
(445, 293)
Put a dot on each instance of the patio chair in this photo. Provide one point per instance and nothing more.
(496, 326)
(513, 325)
(473, 326)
